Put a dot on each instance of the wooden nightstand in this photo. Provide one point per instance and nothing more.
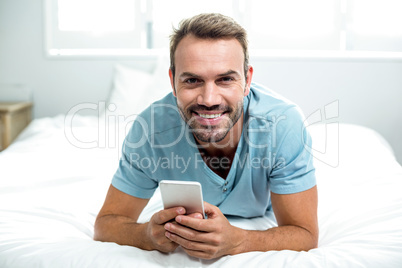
(14, 117)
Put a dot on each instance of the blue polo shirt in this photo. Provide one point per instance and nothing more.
(270, 156)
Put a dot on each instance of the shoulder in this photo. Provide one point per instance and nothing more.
(160, 123)
(273, 121)
(161, 116)
(267, 105)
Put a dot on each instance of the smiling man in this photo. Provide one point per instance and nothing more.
(244, 143)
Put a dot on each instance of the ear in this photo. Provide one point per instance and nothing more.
(172, 81)
(249, 78)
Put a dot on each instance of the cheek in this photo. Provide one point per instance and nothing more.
(182, 104)
(236, 96)
(185, 99)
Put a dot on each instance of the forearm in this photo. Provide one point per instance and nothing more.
(278, 238)
(121, 230)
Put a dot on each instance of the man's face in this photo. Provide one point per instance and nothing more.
(209, 84)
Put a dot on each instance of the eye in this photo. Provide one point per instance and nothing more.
(226, 79)
(191, 80)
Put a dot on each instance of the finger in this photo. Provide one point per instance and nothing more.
(204, 225)
(196, 215)
(192, 235)
(211, 211)
(168, 214)
(186, 233)
(188, 244)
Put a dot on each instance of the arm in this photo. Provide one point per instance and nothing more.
(117, 222)
(297, 229)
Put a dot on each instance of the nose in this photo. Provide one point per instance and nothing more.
(209, 95)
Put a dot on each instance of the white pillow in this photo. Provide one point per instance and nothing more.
(129, 88)
(134, 90)
(160, 81)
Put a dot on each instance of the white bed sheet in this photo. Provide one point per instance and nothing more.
(51, 191)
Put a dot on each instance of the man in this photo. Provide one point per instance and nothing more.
(242, 142)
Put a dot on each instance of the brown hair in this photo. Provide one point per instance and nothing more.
(209, 26)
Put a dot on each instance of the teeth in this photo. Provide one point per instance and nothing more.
(209, 116)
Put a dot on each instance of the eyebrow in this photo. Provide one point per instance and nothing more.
(189, 74)
(230, 72)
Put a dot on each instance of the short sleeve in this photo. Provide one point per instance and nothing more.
(130, 178)
(293, 170)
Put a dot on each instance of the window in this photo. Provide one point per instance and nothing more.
(92, 27)
(166, 14)
(293, 24)
(375, 25)
(141, 27)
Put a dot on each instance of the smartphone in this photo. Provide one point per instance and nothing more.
(187, 194)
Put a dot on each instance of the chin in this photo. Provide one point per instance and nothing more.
(208, 137)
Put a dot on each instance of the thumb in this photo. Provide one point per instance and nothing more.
(211, 211)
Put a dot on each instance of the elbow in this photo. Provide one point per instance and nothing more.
(97, 234)
(314, 235)
(310, 240)
(99, 231)
(314, 244)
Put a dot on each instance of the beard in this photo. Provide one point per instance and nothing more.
(211, 133)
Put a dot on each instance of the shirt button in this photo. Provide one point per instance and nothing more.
(225, 189)
(226, 183)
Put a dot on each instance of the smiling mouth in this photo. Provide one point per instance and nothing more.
(210, 116)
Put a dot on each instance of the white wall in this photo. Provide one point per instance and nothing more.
(369, 91)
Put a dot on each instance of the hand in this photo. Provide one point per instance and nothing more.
(205, 238)
(155, 231)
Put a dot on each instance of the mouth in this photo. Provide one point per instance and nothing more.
(210, 119)
(210, 116)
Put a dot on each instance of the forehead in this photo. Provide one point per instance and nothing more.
(199, 55)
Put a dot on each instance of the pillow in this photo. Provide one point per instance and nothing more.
(129, 88)
(160, 81)
(134, 90)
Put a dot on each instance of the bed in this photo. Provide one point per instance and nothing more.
(54, 178)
